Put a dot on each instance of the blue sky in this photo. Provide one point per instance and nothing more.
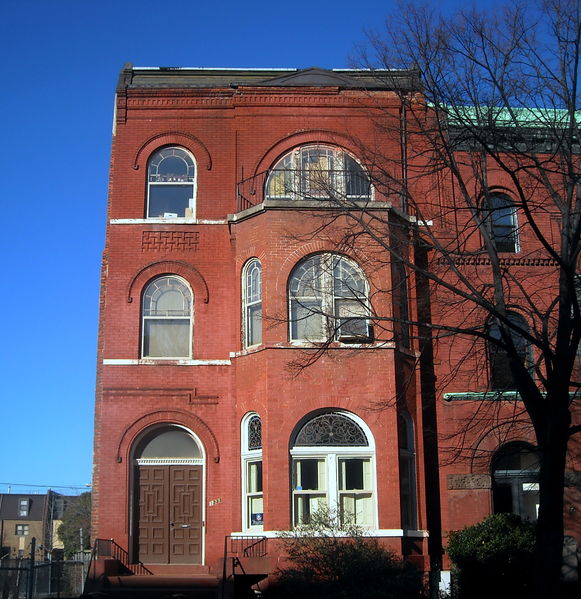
(60, 62)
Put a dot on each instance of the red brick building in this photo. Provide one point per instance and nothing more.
(221, 271)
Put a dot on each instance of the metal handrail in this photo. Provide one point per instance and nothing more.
(241, 546)
(316, 184)
(104, 548)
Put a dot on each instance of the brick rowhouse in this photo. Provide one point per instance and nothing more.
(221, 275)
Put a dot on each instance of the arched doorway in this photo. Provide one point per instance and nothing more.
(168, 504)
(515, 480)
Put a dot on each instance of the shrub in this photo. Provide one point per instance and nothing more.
(334, 561)
(493, 558)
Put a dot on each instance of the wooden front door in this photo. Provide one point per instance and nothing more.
(169, 518)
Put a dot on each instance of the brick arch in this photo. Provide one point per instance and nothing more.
(489, 442)
(175, 267)
(313, 247)
(251, 252)
(300, 138)
(190, 142)
(180, 417)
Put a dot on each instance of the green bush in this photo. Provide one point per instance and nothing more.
(334, 561)
(493, 558)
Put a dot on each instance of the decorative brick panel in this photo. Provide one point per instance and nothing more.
(164, 241)
(469, 481)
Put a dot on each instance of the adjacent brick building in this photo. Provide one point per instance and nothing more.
(224, 274)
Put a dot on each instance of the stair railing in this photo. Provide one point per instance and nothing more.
(236, 547)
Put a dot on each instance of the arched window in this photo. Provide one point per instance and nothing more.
(501, 376)
(328, 299)
(515, 476)
(167, 319)
(317, 172)
(252, 506)
(333, 466)
(407, 471)
(503, 222)
(252, 303)
(171, 179)
(169, 444)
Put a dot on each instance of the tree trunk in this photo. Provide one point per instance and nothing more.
(550, 524)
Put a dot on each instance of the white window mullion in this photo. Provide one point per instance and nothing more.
(332, 482)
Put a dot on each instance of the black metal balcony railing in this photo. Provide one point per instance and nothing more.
(311, 185)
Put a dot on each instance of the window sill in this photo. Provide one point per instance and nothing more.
(369, 532)
(483, 396)
(165, 362)
(312, 345)
(166, 221)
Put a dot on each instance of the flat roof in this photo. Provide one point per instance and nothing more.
(133, 77)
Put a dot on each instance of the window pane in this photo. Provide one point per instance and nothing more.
(254, 324)
(255, 511)
(356, 508)
(317, 178)
(170, 200)
(351, 474)
(331, 429)
(281, 181)
(307, 320)
(501, 377)
(307, 504)
(253, 283)
(351, 322)
(255, 477)
(171, 444)
(356, 181)
(166, 338)
(255, 433)
(504, 226)
(309, 475)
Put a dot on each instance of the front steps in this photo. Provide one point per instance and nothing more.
(112, 580)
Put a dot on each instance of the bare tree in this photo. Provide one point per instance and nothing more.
(490, 167)
(486, 218)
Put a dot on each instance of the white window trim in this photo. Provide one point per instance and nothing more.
(327, 295)
(332, 454)
(247, 304)
(248, 456)
(160, 318)
(194, 184)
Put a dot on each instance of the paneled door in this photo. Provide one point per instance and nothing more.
(170, 514)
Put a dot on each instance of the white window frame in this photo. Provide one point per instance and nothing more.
(332, 456)
(23, 507)
(325, 302)
(251, 301)
(150, 318)
(24, 530)
(248, 458)
(291, 173)
(190, 212)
